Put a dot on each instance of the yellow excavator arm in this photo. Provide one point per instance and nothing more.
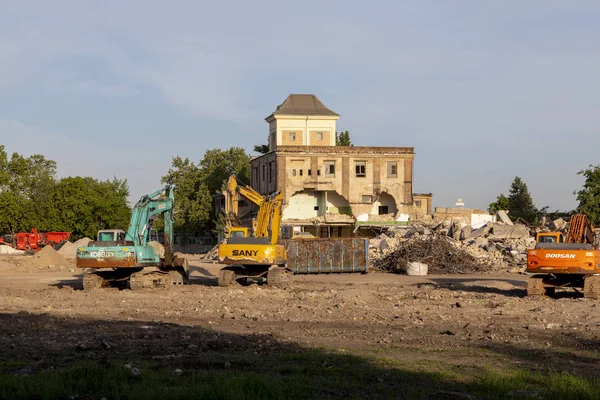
(269, 209)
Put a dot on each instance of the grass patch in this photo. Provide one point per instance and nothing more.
(309, 374)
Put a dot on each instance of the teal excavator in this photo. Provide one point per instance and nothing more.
(130, 258)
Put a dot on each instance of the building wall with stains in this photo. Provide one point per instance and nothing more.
(320, 180)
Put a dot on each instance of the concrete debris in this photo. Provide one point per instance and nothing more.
(4, 249)
(159, 249)
(450, 247)
(503, 216)
(558, 225)
(510, 231)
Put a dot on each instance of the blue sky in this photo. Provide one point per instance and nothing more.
(483, 90)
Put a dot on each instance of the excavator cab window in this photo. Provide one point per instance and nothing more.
(106, 236)
(547, 239)
(237, 234)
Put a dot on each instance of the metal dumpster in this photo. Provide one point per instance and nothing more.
(325, 256)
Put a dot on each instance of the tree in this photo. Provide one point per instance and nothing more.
(32, 197)
(589, 195)
(193, 201)
(520, 203)
(501, 203)
(262, 148)
(343, 139)
(196, 185)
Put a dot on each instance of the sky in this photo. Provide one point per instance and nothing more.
(484, 91)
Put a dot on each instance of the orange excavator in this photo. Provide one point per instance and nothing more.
(566, 262)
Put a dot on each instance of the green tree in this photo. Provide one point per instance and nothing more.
(193, 201)
(342, 139)
(589, 195)
(32, 197)
(501, 203)
(196, 186)
(262, 148)
(87, 205)
(520, 203)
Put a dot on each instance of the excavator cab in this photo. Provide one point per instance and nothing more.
(549, 237)
(237, 232)
(111, 235)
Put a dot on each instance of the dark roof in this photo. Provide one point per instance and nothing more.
(304, 104)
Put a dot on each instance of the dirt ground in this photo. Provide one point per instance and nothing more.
(463, 321)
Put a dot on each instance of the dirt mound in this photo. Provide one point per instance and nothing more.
(46, 258)
(7, 266)
(82, 242)
(68, 249)
(441, 255)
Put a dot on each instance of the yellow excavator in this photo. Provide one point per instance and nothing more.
(256, 256)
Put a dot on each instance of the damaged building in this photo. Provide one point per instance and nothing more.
(329, 190)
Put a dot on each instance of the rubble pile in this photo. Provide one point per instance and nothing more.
(440, 253)
(453, 247)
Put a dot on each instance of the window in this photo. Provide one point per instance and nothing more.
(292, 136)
(263, 172)
(392, 169)
(309, 172)
(294, 172)
(329, 168)
(367, 198)
(318, 172)
(383, 210)
(271, 171)
(301, 172)
(320, 136)
(418, 203)
(361, 169)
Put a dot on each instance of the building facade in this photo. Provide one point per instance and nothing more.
(331, 190)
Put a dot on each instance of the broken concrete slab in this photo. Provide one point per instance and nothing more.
(484, 230)
(558, 224)
(481, 242)
(466, 233)
(503, 215)
(510, 232)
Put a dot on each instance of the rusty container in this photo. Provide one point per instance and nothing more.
(326, 256)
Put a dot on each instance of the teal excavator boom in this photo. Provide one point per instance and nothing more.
(129, 257)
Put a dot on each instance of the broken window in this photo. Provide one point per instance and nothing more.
(361, 169)
(366, 198)
(309, 172)
(418, 203)
(292, 136)
(392, 169)
(318, 172)
(383, 210)
(329, 168)
(271, 171)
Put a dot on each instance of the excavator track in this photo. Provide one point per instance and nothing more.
(535, 286)
(150, 280)
(278, 277)
(226, 277)
(92, 281)
(591, 287)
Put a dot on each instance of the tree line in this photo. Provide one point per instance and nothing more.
(521, 207)
(31, 196)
